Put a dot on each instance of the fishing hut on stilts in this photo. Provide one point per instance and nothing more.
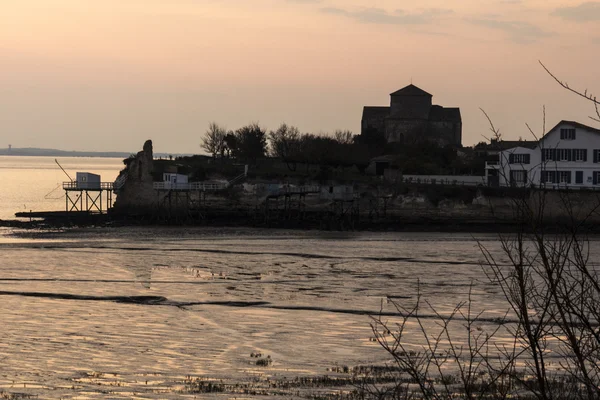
(87, 193)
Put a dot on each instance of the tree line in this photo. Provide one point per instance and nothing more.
(252, 142)
(342, 148)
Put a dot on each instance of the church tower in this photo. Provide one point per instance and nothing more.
(410, 102)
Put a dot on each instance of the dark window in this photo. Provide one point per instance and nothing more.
(518, 176)
(549, 155)
(563, 154)
(596, 153)
(578, 177)
(519, 158)
(567, 134)
(596, 177)
(564, 177)
(548, 176)
(580, 155)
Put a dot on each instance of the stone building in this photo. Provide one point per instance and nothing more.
(411, 117)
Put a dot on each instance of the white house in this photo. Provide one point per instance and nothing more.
(567, 156)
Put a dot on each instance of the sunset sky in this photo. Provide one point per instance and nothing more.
(82, 75)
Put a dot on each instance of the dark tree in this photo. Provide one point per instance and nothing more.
(327, 151)
(251, 143)
(344, 137)
(373, 140)
(285, 143)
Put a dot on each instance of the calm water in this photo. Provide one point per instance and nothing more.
(35, 183)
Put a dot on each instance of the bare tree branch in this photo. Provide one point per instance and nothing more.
(585, 94)
(496, 132)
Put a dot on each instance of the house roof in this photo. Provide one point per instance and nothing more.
(375, 112)
(507, 144)
(576, 125)
(439, 113)
(410, 90)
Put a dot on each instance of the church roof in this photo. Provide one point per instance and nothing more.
(410, 90)
(439, 113)
(375, 112)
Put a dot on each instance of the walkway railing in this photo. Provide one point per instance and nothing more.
(451, 182)
(88, 185)
(200, 186)
(300, 189)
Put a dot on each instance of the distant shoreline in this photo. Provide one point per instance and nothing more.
(35, 152)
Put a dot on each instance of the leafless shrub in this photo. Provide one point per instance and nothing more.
(457, 357)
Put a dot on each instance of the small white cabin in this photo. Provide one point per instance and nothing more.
(174, 178)
(87, 180)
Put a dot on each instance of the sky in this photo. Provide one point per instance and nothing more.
(106, 76)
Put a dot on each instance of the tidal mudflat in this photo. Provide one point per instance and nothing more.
(175, 312)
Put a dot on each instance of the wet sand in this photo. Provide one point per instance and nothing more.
(166, 312)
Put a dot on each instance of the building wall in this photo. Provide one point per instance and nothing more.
(405, 130)
(174, 177)
(374, 122)
(413, 107)
(445, 132)
(584, 140)
(86, 180)
(414, 130)
(532, 168)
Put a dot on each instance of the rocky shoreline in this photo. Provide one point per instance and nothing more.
(405, 222)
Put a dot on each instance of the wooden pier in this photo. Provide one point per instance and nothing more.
(88, 196)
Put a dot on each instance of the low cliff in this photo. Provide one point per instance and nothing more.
(137, 191)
